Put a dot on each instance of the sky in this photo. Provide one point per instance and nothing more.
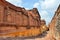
(46, 8)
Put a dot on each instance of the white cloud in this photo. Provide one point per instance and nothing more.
(47, 7)
(27, 8)
(16, 2)
(36, 5)
(44, 15)
(49, 4)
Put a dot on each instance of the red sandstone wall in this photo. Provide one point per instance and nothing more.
(34, 17)
(11, 14)
(17, 19)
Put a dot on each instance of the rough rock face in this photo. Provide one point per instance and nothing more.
(54, 26)
(57, 27)
(17, 19)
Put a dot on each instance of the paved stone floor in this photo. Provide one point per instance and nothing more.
(44, 36)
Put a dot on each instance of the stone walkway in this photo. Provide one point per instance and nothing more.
(44, 36)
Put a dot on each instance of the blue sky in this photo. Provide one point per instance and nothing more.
(46, 8)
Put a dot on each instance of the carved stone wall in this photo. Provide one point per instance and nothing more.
(54, 25)
(57, 28)
(17, 18)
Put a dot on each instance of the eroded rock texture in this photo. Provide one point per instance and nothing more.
(17, 21)
(54, 26)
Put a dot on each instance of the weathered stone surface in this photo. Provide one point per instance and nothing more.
(17, 19)
(54, 26)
